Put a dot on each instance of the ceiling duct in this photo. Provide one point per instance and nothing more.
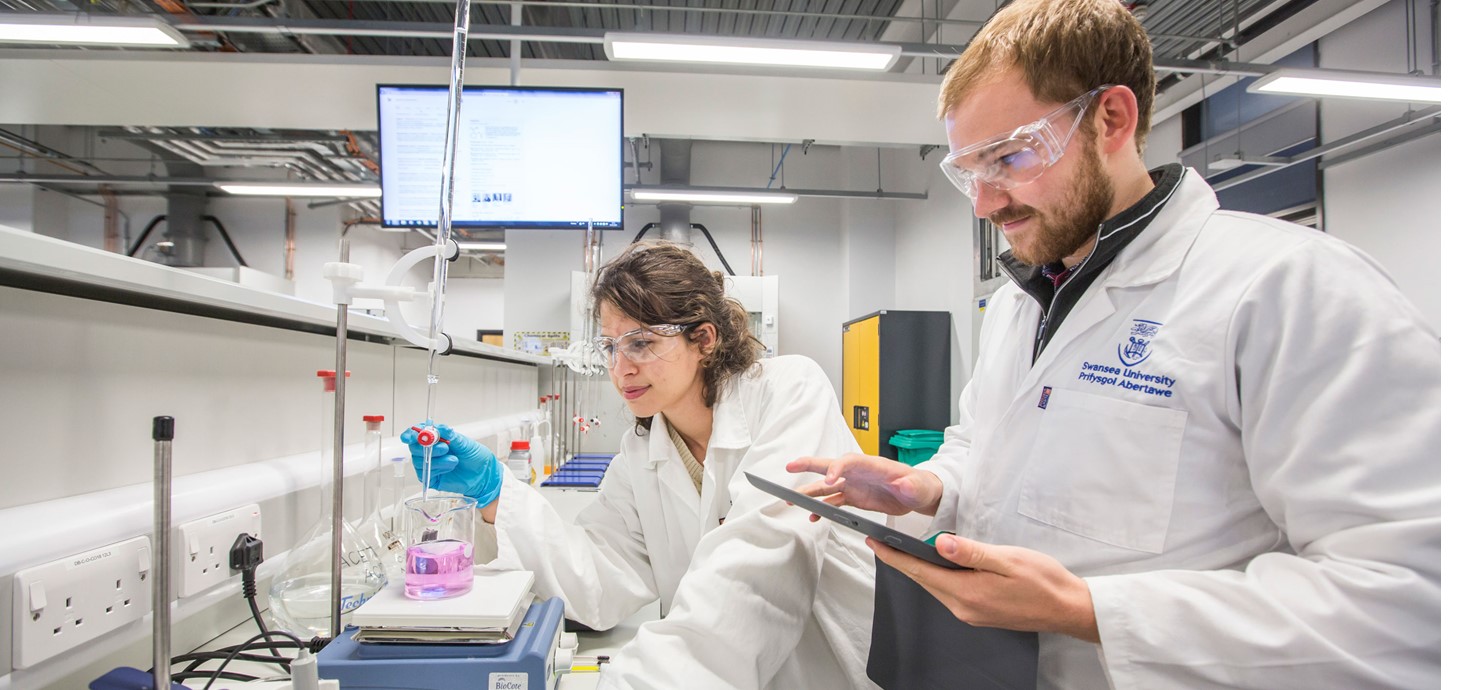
(674, 171)
(184, 242)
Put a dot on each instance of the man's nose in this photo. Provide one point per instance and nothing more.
(988, 199)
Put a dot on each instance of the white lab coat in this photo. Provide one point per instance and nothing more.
(766, 600)
(1274, 522)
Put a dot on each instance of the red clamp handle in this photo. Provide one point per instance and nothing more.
(427, 436)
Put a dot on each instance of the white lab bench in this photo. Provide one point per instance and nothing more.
(568, 502)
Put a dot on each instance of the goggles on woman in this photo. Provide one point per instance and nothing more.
(1019, 157)
(641, 344)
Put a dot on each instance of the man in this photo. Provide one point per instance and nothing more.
(1200, 448)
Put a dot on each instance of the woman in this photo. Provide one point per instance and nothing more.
(753, 595)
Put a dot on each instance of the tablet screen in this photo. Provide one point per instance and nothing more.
(898, 540)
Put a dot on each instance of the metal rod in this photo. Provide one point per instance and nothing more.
(831, 193)
(1353, 139)
(515, 58)
(337, 489)
(162, 432)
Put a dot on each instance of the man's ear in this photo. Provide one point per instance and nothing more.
(1117, 114)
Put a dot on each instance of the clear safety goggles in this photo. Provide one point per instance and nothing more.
(641, 344)
(1019, 157)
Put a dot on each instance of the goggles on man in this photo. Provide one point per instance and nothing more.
(1011, 160)
(641, 344)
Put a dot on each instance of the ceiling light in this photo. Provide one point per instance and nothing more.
(300, 189)
(482, 246)
(749, 51)
(1230, 161)
(1342, 84)
(88, 29)
(713, 196)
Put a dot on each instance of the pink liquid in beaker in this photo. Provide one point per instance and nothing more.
(438, 569)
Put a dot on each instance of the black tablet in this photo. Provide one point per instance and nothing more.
(891, 537)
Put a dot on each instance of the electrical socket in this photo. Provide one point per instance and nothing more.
(69, 602)
(200, 558)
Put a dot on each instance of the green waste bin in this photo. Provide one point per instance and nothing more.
(916, 445)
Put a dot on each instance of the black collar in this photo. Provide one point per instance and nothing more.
(1111, 237)
(1115, 234)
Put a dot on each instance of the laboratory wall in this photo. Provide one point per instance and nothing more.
(1163, 143)
(937, 262)
(1386, 203)
(833, 256)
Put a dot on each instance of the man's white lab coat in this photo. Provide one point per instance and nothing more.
(1234, 437)
(767, 599)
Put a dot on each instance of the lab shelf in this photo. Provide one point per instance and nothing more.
(45, 264)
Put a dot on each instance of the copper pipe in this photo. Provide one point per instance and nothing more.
(289, 215)
(111, 239)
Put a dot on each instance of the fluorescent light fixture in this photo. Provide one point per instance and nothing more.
(89, 29)
(300, 189)
(482, 246)
(749, 51)
(1344, 84)
(1230, 161)
(713, 196)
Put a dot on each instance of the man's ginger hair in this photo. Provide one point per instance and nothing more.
(1063, 48)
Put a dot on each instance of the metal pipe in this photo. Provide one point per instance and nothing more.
(1404, 137)
(177, 136)
(515, 59)
(105, 179)
(756, 269)
(289, 247)
(162, 432)
(1358, 137)
(829, 193)
(337, 524)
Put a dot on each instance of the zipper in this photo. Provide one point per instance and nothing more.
(1039, 342)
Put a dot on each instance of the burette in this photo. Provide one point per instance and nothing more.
(443, 227)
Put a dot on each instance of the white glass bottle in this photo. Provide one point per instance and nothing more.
(299, 599)
(519, 461)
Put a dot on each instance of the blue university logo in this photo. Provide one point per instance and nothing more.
(1138, 345)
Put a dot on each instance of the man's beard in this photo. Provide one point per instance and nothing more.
(1066, 227)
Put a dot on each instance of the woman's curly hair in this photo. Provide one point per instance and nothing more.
(663, 283)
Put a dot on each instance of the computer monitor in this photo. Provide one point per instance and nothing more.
(526, 157)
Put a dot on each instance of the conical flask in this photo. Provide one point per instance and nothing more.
(300, 599)
(384, 491)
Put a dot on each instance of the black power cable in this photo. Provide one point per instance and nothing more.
(226, 239)
(238, 649)
(716, 247)
(145, 232)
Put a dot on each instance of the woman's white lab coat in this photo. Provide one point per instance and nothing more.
(1234, 437)
(766, 599)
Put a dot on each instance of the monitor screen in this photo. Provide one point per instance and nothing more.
(526, 157)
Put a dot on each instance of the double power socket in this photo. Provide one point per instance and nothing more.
(71, 601)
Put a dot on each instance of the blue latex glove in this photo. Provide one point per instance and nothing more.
(464, 467)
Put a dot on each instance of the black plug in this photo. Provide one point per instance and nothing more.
(246, 553)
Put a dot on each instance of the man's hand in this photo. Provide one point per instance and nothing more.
(1010, 587)
(871, 483)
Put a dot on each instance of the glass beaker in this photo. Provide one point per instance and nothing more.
(439, 546)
